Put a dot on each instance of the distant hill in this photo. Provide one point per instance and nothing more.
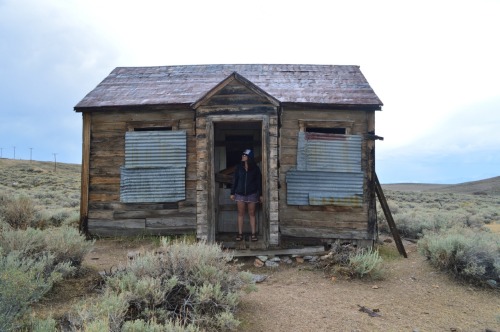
(54, 188)
(489, 186)
(41, 178)
(15, 171)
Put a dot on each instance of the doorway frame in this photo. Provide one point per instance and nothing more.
(211, 184)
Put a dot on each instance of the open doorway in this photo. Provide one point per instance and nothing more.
(230, 140)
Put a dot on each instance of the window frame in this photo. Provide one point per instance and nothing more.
(347, 124)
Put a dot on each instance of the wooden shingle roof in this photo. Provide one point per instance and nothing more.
(317, 84)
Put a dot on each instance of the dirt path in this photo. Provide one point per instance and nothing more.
(413, 296)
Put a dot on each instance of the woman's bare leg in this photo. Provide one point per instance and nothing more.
(241, 214)
(251, 214)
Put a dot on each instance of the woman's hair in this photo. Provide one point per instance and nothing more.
(251, 163)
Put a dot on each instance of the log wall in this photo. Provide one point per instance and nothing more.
(106, 215)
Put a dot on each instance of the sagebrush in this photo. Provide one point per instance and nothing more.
(23, 281)
(178, 286)
(416, 213)
(470, 255)
(31, 262)
(348, 260)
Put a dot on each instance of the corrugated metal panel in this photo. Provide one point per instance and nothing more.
(329, 152)
(152, 185)
(155, 167)
(324, 188)
(149, 149)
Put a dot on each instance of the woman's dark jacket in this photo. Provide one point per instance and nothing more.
(247, 182)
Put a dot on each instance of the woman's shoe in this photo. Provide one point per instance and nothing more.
(239, 237)
(254, 238)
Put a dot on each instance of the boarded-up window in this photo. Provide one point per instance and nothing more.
(328, 171)
(155, 167)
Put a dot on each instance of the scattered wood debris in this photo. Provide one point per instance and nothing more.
(370, 312)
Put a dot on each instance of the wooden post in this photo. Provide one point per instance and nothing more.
(84, 198)
(388, 216)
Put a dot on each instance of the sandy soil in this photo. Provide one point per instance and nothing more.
(413, 296)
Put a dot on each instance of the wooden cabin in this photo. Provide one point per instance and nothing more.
(160, 144)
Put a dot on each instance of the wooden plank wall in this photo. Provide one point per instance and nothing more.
(107, 216)
(326, 222)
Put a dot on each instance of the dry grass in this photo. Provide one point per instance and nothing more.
(495, 228)
(55, 193)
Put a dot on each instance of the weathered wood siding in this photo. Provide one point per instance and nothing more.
(106, 214)
(326, 222)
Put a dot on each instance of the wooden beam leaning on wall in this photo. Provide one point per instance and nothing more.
(388, 216)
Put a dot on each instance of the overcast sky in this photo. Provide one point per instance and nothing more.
(434, 64)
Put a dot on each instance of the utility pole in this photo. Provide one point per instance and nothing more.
(55, 162)
(1, 152)
(31, 150)
(14, 152)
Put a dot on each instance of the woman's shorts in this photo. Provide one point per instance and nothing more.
(252, 198)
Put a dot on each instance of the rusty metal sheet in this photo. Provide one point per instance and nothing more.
(152, 185)
(340, 199)
(329, 152)
(324, 188)
(149, 149)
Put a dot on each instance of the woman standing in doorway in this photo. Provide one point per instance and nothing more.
(247, 191)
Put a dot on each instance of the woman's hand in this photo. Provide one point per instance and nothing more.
(260, 199)
(231, 197)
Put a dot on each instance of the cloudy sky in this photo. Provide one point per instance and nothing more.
(435, 65)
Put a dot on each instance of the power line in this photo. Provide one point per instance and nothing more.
(55, 162)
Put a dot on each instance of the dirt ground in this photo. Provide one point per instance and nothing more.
(413, 296)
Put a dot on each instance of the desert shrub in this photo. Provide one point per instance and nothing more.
(68, 245)
(20, 212)
(142, 326)
(29, 242)
(416, 213)
(65, 243)
(413, 224)
(73, 219)
(4, 225)
(191, 286)
(366, 263)
(104, 314)
(43, 325)
(350, 261)
(71, 203)
(32, 260)
(58, 217)
(44, 195)
(468, 254)
(23, 281)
